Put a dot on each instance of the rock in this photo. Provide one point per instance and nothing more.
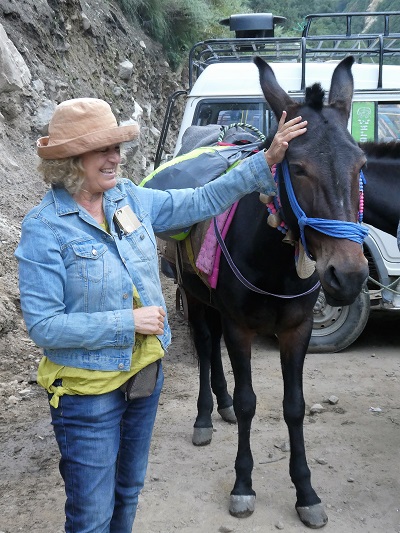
(43, 115)
(155, 132)
(38, 85)
(85, 22)
(32, 377)
(14, 72)
(13, 400)
(316, 408)
(25, 392)
(333, 400)
(137, 112)
(125, 70)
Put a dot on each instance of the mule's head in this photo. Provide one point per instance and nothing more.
(324, 166)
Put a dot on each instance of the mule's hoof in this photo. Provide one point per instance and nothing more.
(313, 516)
(202, 436)
(228, 414)
(242, 506)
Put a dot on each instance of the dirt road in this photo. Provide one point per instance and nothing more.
(353, 451)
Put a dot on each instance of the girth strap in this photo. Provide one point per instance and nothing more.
(181, 306)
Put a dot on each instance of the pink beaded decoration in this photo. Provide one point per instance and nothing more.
(361, 206)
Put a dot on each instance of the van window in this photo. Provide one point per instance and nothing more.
(388, 122)
(226, 112)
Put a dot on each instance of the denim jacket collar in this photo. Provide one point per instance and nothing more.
(65, 203)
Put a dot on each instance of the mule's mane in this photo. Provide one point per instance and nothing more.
(389, 149)
(315, 96)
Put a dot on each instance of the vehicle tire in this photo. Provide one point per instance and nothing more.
(335, 328)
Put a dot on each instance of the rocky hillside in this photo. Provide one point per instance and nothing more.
(51, 51)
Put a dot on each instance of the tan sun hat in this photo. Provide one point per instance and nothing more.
(81, 125)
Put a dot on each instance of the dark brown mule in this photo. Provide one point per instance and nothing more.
(382, 187)
(324, 168)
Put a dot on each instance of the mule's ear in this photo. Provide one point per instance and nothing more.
(277, 98)
(342, 86)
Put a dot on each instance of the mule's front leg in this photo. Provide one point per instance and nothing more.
(242, 500)
(293, 346)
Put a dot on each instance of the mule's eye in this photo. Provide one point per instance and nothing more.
(297, 170)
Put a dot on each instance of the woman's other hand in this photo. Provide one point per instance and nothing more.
(149, 320)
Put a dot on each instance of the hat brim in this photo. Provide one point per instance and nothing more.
(86, 143)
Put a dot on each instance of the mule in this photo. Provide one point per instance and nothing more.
(382, 187)
(324, 169)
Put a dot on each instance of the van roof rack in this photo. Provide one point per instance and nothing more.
(378, 47)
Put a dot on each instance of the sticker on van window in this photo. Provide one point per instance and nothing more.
(363, 121)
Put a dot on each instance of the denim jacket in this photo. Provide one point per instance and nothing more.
(76, 280)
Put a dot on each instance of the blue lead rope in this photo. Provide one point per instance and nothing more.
(334, 228)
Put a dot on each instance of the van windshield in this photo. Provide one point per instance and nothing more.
(225, 113)
(371, 121)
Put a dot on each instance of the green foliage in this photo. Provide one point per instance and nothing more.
(296, 10)
(179, 24)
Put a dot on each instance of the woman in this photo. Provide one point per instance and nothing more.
(91, 298)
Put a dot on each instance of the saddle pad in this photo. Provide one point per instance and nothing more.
(209, 256)
(202, 256)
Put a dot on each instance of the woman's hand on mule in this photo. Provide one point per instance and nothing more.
(286, 132)
(149, 320)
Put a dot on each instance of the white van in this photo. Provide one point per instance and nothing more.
(224, 89)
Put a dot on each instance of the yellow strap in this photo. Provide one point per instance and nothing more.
(190, 254)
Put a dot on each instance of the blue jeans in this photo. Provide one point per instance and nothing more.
(104, 443)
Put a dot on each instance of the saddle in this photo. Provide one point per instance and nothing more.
(183, 253)
(207, 152)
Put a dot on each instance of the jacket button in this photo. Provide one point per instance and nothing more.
(125, 296)
(121, 366)
(141, 236)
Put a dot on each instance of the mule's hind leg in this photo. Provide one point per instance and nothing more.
(218, 381)
(206, 329)
(293, 350)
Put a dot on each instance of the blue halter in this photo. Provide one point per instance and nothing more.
(334, 228)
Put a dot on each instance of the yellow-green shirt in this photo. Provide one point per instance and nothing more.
(83, 381)
(147, 349)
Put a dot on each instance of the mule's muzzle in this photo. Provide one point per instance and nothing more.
(342, 286)
(347, 293)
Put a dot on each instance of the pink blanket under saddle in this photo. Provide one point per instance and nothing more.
(209, 256)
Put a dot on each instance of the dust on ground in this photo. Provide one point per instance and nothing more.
(353, 451)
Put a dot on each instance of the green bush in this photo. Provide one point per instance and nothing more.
(179, 24)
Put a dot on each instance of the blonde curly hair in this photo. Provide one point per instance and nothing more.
(67, 173)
